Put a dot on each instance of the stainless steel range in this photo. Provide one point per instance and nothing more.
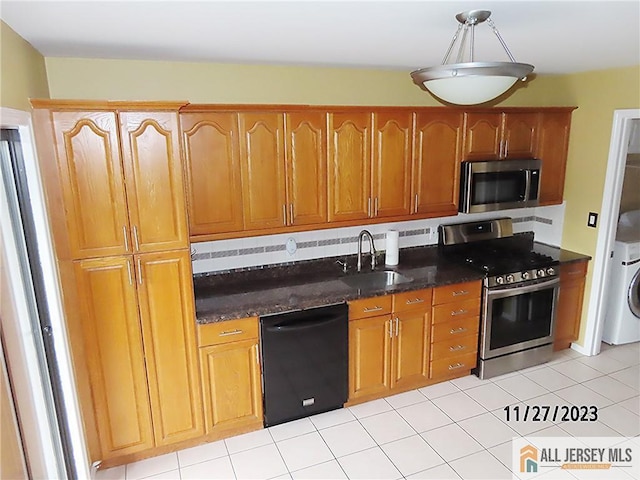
(520, 293)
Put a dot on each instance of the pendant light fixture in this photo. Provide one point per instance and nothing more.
(468, 82)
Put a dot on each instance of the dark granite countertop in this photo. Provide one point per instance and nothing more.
(313, 283)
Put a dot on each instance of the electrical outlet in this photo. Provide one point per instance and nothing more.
(592, 221)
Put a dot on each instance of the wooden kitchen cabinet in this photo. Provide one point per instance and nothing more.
(570, 299)
(306, 167)
(168, 329)
(389, 351)
(262, 160)
(102, 219)
(349, 172)
(114, 355)
(143, 366)
(212, 168)
(392, 163)
(499, 135)
(552, 149)
(436, 164)
(92, 182)
(231, 377)
(454, 331)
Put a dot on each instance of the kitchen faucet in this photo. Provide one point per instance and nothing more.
(372, 249)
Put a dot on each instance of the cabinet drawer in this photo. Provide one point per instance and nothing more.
(450, 366)
(573, 271)
(370, 307)
(228, 331)
(456, 292)
(454, 347)
(411, 300)
(461, 327)
(451, 311)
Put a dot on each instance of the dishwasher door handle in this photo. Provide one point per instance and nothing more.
(298, 325)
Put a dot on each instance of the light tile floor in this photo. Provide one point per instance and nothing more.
(452, 430)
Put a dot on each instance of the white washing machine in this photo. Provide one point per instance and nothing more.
(622, 317)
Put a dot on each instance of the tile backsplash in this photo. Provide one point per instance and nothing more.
(221, 255)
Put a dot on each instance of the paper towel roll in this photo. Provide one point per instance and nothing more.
(392, 254)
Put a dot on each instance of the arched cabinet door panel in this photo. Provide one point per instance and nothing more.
(91, 176)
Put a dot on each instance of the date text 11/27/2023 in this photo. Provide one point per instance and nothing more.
(553, 413)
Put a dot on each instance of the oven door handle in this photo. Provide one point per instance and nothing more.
(513, 291)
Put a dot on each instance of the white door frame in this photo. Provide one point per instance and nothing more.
(620, 133)
(25, 352)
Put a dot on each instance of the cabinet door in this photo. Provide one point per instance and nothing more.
(410, 353)
(263, 170)
(114, 355)
(436, 168)
(520, 135)
(349, 173)
(306, 143)
(369, 356)
(392, 143)
(231, 385)
(569, 310)
(88, 155)
(483, 136)
(553, 145)
(212, 166)
(153, 173)
(165, 295)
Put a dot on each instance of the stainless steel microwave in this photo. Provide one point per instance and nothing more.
(499, 185)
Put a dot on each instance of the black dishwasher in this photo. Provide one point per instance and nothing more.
(304, 362)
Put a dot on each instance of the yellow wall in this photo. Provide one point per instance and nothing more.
(22, 71)
(596, 94)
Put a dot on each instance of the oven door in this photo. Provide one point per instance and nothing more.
(517, 318)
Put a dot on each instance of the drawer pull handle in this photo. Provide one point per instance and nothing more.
(457, 330)
(456, 366)
(575, 272)
(459, 312)
(416, 300)
(456, 348)
(230, 332)
(460, 292)
(373, 309)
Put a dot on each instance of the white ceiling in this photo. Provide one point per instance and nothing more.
(554, 36)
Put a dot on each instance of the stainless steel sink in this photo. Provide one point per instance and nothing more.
(376, 280)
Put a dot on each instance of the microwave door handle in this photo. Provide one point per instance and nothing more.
(527, 186)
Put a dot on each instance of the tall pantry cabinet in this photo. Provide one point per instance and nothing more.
(114, 188)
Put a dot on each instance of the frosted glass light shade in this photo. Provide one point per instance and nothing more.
(470, 90)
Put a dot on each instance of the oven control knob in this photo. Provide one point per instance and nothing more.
(499, 280)
(525, 275)
(541, 273)
(509, 278)
(551, 271)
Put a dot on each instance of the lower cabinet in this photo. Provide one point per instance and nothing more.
(231, 382)
(569, 310)
(388, 343)
(139, 337)
(454, 334)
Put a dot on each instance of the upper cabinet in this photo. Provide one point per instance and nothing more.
(436, 165)
(499, 135)
(262, 161)
(212, 165)
(153, 176)
(306, 166)
(392, 163)
(105, 194)
(553, 144)
(92, 183)
(349, 175)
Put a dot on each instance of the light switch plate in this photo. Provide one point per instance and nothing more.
(592, 221)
